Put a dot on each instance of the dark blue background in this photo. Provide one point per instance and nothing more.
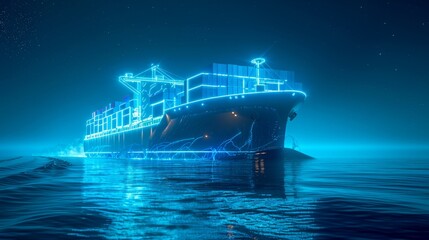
(364, 64)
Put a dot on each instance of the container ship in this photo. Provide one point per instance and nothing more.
(226, 112)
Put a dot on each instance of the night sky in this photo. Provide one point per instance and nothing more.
(363, 64)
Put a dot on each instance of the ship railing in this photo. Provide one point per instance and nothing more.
(141, 124)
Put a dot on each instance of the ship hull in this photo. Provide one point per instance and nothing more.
(219, 127)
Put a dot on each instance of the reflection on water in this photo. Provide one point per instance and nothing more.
(197, 198)
(266, 197)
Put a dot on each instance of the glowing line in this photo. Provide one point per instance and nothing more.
(154, 122)
(162, 101)
(207, 85)
(179, 151)
(151, 79)
(238, 94)
(196, 75)
(244, 77)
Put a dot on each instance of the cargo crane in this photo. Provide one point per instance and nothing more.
(142, 83)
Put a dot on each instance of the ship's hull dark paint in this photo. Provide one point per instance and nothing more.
(223, 127)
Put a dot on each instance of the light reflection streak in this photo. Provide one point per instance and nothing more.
(182, 199)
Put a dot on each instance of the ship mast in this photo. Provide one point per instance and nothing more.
(258, 62)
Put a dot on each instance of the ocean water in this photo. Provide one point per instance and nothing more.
(259, 198)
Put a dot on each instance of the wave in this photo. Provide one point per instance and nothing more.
(10, 159)
(54, 164)
(16, 173)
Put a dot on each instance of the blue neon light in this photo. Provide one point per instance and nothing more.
(242, 95)
(155, 92)
(207, 85)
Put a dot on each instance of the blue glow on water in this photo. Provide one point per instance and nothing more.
(263, 198)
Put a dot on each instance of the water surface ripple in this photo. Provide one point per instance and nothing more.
(261, 198)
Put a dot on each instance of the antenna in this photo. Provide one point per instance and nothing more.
(258, 62)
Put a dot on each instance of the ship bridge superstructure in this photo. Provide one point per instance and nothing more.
(156, 91)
